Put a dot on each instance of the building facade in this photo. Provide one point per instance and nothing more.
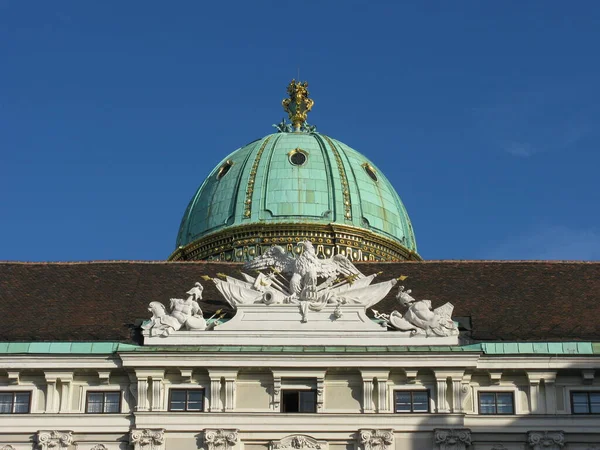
(286, 319)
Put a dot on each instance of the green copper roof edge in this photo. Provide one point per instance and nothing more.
(488, 348)
(58, 348)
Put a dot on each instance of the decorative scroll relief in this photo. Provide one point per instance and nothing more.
(220, 439)
(420, 319)
(376, 439)
(298, 442)
(546, 440)
(451, 438)
(54, 440)
(147, 439)
(7, 447)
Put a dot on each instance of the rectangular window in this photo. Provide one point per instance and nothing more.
(298, 401)
(411, 401)
(583, 402)
(191, 400)
(108, 402)
(496, 403)
(15, 402)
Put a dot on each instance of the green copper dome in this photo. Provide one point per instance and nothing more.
(290, 186)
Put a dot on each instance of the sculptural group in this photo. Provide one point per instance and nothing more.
(309, 283)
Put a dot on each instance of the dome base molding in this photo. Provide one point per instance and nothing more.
(246, 242)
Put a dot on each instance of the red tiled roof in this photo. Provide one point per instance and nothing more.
(100, 301)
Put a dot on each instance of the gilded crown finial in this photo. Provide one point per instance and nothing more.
(298, 104)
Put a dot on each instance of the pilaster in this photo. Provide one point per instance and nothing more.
(537, 404)
(56, 402)
(229, 378)
(276, 393)
(367, 405)
(144, 403)
(375, 392)
(320, 392)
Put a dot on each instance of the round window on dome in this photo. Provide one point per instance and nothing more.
(370, 171)
(224, 169)
(298, 157)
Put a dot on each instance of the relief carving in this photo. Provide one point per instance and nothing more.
(220, 439)
(451, 438)
(298, 442)
(146, 439)
(546, 440)
(99, 447)
(54, 440)
(376, 439)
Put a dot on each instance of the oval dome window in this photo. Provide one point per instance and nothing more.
(298, 157)
(224, 169)
(370, 171)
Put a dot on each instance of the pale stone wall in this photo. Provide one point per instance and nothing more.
(254, 391)
(248, 389)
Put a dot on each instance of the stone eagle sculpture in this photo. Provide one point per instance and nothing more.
(305, 269)
(306, 279)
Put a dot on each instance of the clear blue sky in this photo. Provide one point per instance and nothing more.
(484, 115)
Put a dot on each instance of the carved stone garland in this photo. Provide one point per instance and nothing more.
(7, 447)
(451, 438)
(147, 439)
(47, 440)
(298, 442)
(220, 439)
(546, 440)
(376, 439)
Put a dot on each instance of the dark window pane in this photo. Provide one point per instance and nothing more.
(95, 402)
(581, 403)
(412, 401)
(290, 403)
(403, 397)
(195, 396)
(6, 402)
(504, 404)
(194, 406)
(580, 408)
(487, 403)
(22, 402)
(111, 402)
(307, 401)
(178, 396)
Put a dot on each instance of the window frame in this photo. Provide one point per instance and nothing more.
(588, 392)
(424, 389)
(103, 392)
(187, 389)
(496, 392)
(314, 391)
(14, 393)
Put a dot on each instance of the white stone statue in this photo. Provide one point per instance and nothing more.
(420, 318)
(306, 280)
(184, 314)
